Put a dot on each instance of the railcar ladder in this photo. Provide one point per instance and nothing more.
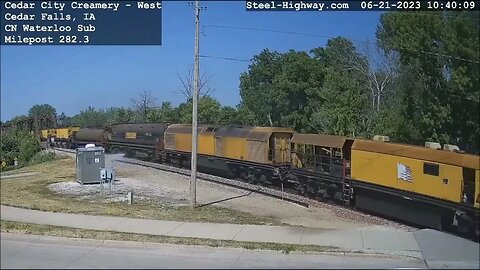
(347, 188)
(347, 192)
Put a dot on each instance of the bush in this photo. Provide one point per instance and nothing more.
(18, 144)
(29, 147)
(41, 157)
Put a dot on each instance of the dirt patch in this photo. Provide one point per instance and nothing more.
(253, 203)
(118, 192)
(165, 195)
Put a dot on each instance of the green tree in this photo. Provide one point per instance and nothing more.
(42, 110)
(227, 116)
(119, 115)
(144, 104)
(341, 106)
(209, 111)
(164, 114)
(244, 116)
(440, 95)
(277, 88)
(91, 118)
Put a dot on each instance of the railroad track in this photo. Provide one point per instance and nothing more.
(337, 209)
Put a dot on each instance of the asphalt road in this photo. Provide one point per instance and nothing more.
(27, 251)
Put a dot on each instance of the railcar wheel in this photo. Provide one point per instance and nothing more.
(301, 190)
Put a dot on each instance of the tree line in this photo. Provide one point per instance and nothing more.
(418, 82)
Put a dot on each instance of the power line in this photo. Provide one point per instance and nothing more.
(329, 37)
(267, 30)
(438, 54)
(224, 58)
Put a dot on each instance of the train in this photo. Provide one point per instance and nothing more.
(432, 186)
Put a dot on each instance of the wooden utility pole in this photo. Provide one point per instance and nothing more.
(193, 180)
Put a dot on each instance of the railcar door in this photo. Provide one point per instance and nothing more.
(282, 147)
(468, 186)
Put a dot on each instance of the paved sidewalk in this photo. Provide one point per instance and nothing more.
(442, 249)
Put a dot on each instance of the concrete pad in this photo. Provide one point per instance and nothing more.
(346, 239)
(153, 227)
(389, 240)
(439, 246)
(207, 230)
(453, 265)
(275, 234)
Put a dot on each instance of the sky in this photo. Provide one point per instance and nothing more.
(71, 78)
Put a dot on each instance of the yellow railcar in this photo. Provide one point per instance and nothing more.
(44, 134)
(51, 132)
(436, 173)
(252, 153)
(65, 134)
(179, 138)
(255, 144)
(417, 184)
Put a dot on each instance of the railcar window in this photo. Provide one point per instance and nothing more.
(309, 149)
(431, 169)
(148, 134)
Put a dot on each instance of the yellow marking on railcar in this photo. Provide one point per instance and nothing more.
(130, 135)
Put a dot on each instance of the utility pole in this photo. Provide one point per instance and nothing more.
(196, 72)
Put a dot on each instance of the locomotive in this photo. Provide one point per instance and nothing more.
(427, 186)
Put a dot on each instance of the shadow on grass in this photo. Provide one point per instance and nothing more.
(227, 199)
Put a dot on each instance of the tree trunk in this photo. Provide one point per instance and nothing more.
(378, 102)
(270, 120)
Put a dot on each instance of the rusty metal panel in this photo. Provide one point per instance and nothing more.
(259, 136)
(218, 146)
(233, 132)
(92, 134)
(139, 128)
(187, 129)
(282, 147)
(247, 133)
(319, 139)
(257, 151)
(178, 128)
(170, 141)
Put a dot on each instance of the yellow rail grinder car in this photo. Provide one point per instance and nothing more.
(252, 153)
(179, 138)
(256, 144)
(436, 173)
(65, 134)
